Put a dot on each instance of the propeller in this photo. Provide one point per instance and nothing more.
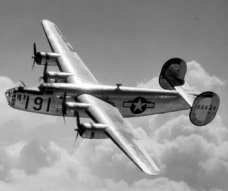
(36, 56)
(64, 109)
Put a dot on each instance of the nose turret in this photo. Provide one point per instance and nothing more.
(10, 96)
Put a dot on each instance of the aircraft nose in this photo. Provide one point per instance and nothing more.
(10, 95)
(7, 94)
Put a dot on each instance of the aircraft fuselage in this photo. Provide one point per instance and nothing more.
(131, 102)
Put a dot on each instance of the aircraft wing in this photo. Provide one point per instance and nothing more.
(118, 129)
(120, 132)
(69, 61)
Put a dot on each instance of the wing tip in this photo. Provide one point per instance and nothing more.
(153, 172)
(46, 22)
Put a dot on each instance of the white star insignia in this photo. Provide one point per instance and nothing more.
(138, 105)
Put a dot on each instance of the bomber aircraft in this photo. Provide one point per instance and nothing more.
(73, 91)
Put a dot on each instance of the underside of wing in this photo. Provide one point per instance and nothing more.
(134, 150)
(120, 132)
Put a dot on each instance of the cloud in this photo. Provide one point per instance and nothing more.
(5, 83)
(15, 124)
(42, 158)
(29, 157)
(196, 156)
(153, 84)
(36, 155)
(199, 79)
(161, 184)
(68, 172)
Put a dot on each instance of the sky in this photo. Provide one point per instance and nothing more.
(124, 42)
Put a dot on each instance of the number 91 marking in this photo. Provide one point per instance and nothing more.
(38, 101)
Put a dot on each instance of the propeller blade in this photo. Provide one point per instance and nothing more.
(64, 107)
(34, 55)
(33, 64)
(79, 126)
(34, 49)
(45, 72)
(76, 137)
(64, 119)
(77, 119)
(45, 68)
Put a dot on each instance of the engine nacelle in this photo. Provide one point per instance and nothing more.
(56, 76)
(93, 131)
(77, 106)
(173, 73)
(51, 58)
(204, 108)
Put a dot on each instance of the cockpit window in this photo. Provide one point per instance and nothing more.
(11, 97)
